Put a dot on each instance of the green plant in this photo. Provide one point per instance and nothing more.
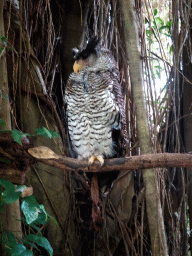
(35, 217)
(18, 135)
(158, 35)
(4, 41)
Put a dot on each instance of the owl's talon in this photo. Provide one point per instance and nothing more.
(93, 158)
(101, 160)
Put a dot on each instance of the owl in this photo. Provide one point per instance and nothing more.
(94, 104)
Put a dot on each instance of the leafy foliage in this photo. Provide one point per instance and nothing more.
(158, 30)
(18, 135)
(34, 216)
(9, 195)
(41, 241)
(34, 213)
(4, 41)
(45, 132)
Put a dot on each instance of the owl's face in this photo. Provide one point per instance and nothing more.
(81, 63)
(85, 57)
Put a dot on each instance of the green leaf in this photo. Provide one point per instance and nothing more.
(43, 217)
(4, 40)
(159, 67)
(163, 27)
(157, 73)
(169, 23)
(7, 184)
(43, 132)
(16, 249)
(159, 21)
(9, 195)
(30, 208)
(54, 134)
(27, 253)
(30, 244)
(155, 12)
(33, 211)
(167, 34)
(149, 32)
(41, 241)
(17, 136)
(20, 188)
(171, 49)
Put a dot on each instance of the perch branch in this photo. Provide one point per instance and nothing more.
(25, 155)
(165, 160)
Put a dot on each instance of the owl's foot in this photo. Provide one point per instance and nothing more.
(93, 158)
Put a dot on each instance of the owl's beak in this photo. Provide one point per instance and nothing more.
(79, 64)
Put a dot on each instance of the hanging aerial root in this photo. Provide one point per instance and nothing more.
(97, 219)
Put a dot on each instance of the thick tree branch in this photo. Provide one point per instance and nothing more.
(164, 160)
(27, 155)
(23, 156)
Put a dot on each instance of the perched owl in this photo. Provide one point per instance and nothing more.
(94, 104)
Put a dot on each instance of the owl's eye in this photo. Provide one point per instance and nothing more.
(85, 56)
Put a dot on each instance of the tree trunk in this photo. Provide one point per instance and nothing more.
(12, 215)
(187, 122)
(154, 211)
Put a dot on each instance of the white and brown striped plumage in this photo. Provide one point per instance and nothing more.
(94, 104)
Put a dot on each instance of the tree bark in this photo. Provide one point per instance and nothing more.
(12, 213)
(154, 211)
(187, 122)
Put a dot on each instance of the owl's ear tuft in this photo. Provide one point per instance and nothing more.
(92, 45)
(90, 48)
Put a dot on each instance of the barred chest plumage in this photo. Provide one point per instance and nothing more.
(91, 113)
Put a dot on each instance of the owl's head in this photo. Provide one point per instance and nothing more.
(84, 57)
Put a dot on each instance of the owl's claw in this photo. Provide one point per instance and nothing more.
(93, 158)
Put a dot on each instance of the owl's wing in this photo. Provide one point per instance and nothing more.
(111, 77)
(119, 136)
(70, 86)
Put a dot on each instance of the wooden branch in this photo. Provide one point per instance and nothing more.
(23, 156)
(164, 160)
